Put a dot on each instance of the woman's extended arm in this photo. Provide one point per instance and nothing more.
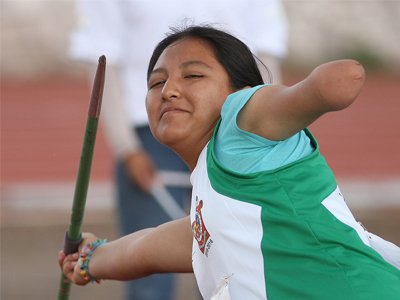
(278, 112)
(166, 248)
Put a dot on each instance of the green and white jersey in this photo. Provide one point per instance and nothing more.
(281, 234)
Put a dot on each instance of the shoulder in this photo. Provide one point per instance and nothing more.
(238, 99)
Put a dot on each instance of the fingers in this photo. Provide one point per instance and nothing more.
(69, 264)
(70, 268)
(61, 257)
(88, 236)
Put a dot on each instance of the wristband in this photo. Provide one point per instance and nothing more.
(84, 259)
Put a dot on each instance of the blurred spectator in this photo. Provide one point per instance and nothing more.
(126, 32)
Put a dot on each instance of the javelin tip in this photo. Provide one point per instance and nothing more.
(102, 59)
(98, 86)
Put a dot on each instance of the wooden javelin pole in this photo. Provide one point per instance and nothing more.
(73, 235)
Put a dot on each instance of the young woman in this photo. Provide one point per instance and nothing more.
(267, 218)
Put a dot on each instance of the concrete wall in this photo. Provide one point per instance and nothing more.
(34, 33)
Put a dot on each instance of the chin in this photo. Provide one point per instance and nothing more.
(168, 138)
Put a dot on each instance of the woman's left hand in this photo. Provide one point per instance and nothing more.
(69, 263)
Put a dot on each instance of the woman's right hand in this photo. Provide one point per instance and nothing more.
(69, 263)
(141, 169)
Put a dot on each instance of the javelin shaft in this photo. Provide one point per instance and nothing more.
(73, 235)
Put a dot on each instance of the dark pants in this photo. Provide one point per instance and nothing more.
(138, 210)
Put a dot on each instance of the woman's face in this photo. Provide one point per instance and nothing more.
(186, 91)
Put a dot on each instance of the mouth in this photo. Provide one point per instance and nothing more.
(171, 110)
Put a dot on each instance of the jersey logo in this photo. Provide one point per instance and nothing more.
(199, 229)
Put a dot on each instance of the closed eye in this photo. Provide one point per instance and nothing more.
(194, 76)
(157, 83)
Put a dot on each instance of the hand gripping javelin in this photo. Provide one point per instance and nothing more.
(73, 235)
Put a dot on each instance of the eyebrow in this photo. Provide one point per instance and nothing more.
(183, 65)
(195, 62)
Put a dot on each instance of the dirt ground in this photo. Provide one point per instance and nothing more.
(42, 125)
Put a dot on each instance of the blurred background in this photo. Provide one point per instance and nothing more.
(44, 99)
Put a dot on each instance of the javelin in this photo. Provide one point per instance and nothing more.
(73, 236)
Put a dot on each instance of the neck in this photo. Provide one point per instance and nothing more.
(190, 154)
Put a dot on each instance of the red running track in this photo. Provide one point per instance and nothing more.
(42, 124)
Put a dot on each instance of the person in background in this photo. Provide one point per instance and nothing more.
(126, 32)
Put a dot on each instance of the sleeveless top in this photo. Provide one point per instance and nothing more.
(284, 233)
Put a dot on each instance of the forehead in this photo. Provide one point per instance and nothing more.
(188, 49)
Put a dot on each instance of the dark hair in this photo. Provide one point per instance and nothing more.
(232, 53)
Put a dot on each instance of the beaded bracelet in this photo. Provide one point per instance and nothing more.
(84, 259)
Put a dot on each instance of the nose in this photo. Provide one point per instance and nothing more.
(170, 90)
